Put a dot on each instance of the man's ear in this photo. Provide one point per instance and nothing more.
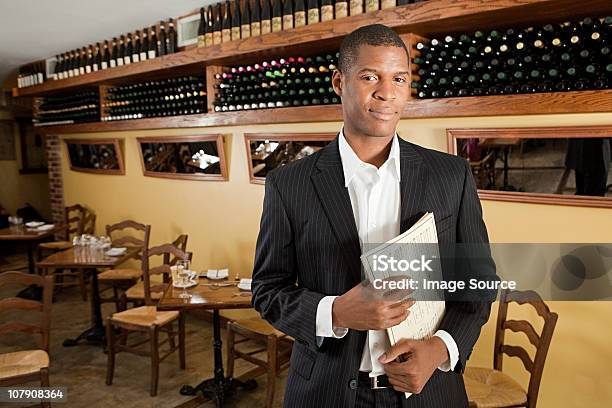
(337, 82)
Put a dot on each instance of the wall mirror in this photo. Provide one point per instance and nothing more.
(556, 165)
(102, 156)
(267, 151)
(183, 157)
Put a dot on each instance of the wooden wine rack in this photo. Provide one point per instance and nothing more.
(412, 21)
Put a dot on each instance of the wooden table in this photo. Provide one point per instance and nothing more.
(29, 236)
(82, 257)
(212, 298)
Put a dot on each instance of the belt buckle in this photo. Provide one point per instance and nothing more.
(374, 383)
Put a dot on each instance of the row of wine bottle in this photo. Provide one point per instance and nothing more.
(168, 97)
(31, 74)
(222, 23)
(133, 47)
(67, 109)
(554, 57)
(275, 84)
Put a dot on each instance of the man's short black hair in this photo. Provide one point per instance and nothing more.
(377, 35)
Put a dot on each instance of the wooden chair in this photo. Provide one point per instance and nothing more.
(121, 279)
(277, 345)
(74, 215)
(491, 387)
(148, 320)
(136, 295)
(25, 366)
(79, 221)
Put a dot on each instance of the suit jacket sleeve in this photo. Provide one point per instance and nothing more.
(276, 294)
(464, 319)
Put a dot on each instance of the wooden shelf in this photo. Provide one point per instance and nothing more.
(427, 18)
(521, 104)
(498, 105)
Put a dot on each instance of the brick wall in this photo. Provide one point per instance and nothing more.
(56, 185)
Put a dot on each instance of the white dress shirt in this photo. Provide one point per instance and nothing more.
(376, 202)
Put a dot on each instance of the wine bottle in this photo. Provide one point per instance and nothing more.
(121, 52)
(97, 58)
(129, 50)
(202, 28)
(88, 59)
(327, 10)
(277, 16)
(371, 5)
(255, 19)
(287, 14)
(340, 8)
(236, 17)
(82, 61)
(114, 53)
(144, 46)
(387, 4)
(299, 13)
(313, 12)
(266, 18)
(245, 20)
(356, 7)
(171, 38)
(105, 56)
(136, 48)
(216, 28)
(226, 24)
(153, 44)
(161, 40)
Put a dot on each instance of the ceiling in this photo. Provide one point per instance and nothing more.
(31, 30)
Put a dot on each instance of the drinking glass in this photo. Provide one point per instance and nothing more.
(184, 274)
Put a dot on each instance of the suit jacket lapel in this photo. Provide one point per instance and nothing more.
(413, 185)
(334, 197)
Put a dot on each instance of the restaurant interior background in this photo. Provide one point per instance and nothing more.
(222, 220)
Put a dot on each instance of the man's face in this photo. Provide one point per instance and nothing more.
(374, 90)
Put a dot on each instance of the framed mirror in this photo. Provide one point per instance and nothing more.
(183, 157)
(101, 156)
(267, 151)
(553, 165)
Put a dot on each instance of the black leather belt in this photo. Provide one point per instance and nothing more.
(375, 383)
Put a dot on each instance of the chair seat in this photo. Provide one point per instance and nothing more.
(488, 388)
(258, 325)
(22, 363)
(145, 316)
(120, 274)
(56, 245)
(137, 291)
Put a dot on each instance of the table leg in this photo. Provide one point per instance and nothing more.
(95, 334)
(218, 388)
(32, 292)
(506, 186)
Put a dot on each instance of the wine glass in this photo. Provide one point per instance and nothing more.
(184, 275)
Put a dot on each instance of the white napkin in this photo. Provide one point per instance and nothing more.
(116, 251)
(217, 273)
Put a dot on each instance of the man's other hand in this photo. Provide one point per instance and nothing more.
(419, 359)
(366, 308)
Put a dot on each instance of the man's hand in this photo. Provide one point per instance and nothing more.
(365, 308)
(420, 358)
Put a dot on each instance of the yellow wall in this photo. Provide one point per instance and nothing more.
(17, 189)
(222, 220)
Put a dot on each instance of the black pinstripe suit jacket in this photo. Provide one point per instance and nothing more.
(308, 247)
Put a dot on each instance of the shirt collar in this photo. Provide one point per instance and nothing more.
(351, 163)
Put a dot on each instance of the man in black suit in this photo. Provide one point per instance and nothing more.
(366, 186)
